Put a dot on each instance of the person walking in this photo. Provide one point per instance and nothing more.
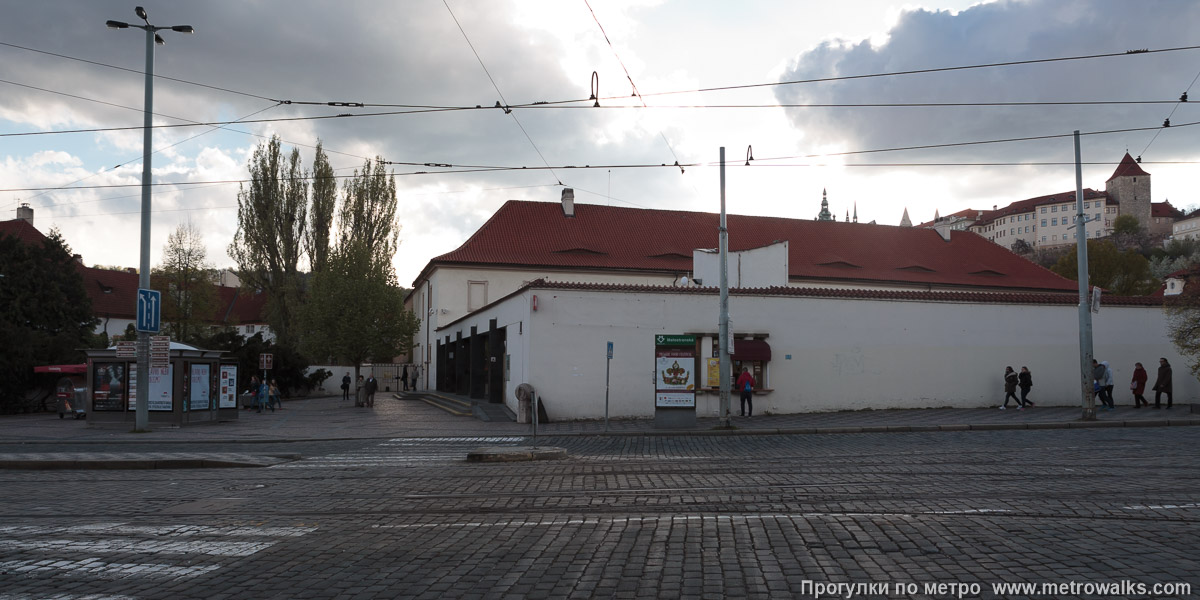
(253, 392)
(1025, 382)
(1010, 388)
(346, 386)
(359, 399)
(746, 383)
(1108, 385)
(264, 394)
(1162, 383)
(273, 396)
(1138, 386)
(371, 387)
(404, 377)
(1098, 371)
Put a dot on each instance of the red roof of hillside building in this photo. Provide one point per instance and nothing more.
(1030, 205)
(1164, 209)
(240, 308)
(1128, 167)
(605, 238)
(22, 230)
(113, 293)
(967, 213)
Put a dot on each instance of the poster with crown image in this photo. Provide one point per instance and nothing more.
(675, 371)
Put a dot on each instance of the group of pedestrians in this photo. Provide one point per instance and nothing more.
(1102, 385)
(1014, 380)
(264, 394)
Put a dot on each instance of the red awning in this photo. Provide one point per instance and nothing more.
(61, 369)
(751, 350)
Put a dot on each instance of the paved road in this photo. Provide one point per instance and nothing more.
(757, 516)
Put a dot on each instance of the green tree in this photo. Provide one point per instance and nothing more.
(190, 299)
(272, 217)
(355, 310)
(324, 201)
(1124, 273)
(45, 313)
(1126, 225)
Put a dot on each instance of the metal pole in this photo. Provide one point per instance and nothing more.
(1085, 315)
(142, 417)
(723, 337)
(607, 371)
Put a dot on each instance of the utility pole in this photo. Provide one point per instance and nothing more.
(142, 408)
(1085, 314)
(723, 336)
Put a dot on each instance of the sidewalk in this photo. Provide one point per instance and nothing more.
(330, 418)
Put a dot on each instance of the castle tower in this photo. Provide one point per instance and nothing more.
(824, 215)
(1130, 187)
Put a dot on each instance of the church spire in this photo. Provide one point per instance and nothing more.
(856, 212)
(824, 215)
(904, 221)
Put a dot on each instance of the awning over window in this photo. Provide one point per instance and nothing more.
(751, 350)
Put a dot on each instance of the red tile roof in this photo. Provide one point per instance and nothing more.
(22, 230)
(242, 308)
(526, 234)
(1164, 209)
(1030, 205)
(1128, 167)
(969, 214)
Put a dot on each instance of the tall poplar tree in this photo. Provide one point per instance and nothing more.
(355, 309)
(324, 201)
(272, 218)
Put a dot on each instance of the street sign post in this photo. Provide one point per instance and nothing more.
(160, 351)
(265, 360)
(607, 371)
(149, 309)
(127, 349)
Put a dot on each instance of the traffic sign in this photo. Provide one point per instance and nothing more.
(610, 349)
(126, 349)
(149, 308)
(265, 360)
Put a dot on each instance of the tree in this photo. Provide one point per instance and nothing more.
(45, 313)
(1022, 248)
(1183, 322)
(355, 309)
(324, 200)
(1124, 273)
(185, 279)
(272, 217)
(1126, 225)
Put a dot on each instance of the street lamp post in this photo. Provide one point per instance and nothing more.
(142, 417)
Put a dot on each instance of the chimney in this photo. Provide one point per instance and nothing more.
(25, 213)
(131, 270)
(78, 258)
(568, 202)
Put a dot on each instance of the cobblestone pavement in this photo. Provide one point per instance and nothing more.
(741, 516)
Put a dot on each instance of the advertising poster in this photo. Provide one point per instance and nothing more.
(199, 387)
(675, 374)
(160, 388)
(228, 383)
(713, 372)
(108, 386)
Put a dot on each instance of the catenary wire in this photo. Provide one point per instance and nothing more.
(1173, 109)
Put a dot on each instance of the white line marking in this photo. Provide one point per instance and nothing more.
(1163, 507)
(138, 546)
(103, 569)
(156, 530)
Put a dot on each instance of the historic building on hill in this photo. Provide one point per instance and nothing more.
(1051, 220)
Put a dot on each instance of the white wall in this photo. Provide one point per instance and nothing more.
(846, 354)
(755, 268)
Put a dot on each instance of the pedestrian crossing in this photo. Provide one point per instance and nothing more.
(405, 452)
(102, 552)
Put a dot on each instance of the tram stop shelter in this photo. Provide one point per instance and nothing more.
(195, 387)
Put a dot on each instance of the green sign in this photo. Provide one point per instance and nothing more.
(674, 340)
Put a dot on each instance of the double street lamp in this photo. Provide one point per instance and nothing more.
(143, 361)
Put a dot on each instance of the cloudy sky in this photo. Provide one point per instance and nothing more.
(62, 70)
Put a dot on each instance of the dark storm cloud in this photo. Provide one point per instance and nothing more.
(1002, 32)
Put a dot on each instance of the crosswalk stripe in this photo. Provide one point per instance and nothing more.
(108, 570)
(140, 546)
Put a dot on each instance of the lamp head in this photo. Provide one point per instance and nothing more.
(141, 13)
(116, 25)
(158, 39)
(183, 29)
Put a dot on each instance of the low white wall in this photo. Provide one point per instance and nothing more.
(845, 353)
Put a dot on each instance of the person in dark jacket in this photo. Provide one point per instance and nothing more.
(1162, 384)
(371, 386)
(1025, 382)
(404, 377)
(1099, 370)
(346, 386)
(1010, 388)
(745, 384)
(1138, 386)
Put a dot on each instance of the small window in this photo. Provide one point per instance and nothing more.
(1087, 204)
(1054, 209)
(1043, 238)
(1054, 221)
(249, 329)
(1043, 210)
(1043, 222)
(476, 295)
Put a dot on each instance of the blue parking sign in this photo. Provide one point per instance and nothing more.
(149, 307)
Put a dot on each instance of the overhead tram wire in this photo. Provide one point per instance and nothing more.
(1166, 123)
(507, 110)
(630, 78)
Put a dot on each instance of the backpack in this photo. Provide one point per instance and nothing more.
(747, 388)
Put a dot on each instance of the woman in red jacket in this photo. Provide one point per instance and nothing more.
(1138, 385)
(745, 384)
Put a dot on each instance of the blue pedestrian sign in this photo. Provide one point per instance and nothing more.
(610, 349)
(149, 307)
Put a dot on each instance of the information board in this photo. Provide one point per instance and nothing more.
(161, 388)
(228, 390)
(108, 386)
(675, 371)
(199, 385)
